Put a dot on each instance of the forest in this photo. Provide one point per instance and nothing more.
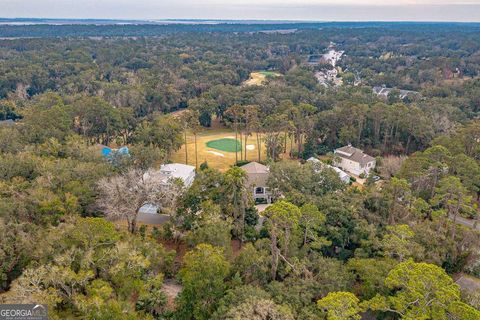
(401, 242)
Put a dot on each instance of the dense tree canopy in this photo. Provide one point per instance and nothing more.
(325, 249)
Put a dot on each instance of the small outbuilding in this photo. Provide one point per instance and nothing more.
(341, 174)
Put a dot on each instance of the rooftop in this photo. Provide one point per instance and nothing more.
(255, 167)
(177, 170)
(341, 174)
(384, 91)
(257, 173)
(354, 154)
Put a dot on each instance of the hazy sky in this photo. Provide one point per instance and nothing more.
(353, 10)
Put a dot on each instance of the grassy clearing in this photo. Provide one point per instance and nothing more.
(225, 144)
(270, 73)
(260, 77)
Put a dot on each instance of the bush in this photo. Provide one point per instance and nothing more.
(251, 234)
(155, 233)
(143, 230)
(261, 201)
(242, 163)
(204, 166)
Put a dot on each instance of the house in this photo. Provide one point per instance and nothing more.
(353, 160)
(383, 92)
(166, 174)
(177, 171)
(257, 176)
(341, 174)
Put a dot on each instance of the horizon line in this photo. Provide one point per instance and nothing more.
(241, 20)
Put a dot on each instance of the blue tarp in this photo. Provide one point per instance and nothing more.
(107, 152)
(123, 151)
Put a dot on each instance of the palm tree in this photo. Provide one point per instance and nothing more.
(195, 127)
(236, 191)
(184, 120)
(252, 124)
(190, 120)
(235, 113)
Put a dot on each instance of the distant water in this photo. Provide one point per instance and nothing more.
(34, 21)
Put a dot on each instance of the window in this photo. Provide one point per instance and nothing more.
(259, 190)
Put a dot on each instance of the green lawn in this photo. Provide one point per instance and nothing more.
(225, 144)
(270, 73)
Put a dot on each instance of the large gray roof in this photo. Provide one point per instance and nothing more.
(354, 154)
(257, 174)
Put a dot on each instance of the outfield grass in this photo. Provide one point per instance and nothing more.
(225, 144)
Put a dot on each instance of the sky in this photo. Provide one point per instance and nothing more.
(316, 10)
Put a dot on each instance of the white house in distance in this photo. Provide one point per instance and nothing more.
(353, 160)
(383, 92)
(166, 174)
(341, 174)
(257, 176)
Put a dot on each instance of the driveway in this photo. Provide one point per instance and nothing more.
(467, 282)
(262, 207)
(152, 218)
(470, 223)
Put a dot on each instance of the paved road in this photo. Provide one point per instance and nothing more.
(467, 282)
(467, 222)
(154, 218)
(158, 219)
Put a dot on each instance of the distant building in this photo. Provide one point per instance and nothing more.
(7, 123)
(257, 177)
(166, 175)
(314, 59)
(341, 174)
(383, 92)
(353, 160)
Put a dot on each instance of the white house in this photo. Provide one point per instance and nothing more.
(257, 176)
(177, 171)
(341, 174)
(166, 174)
(353, 160)
(383, 92)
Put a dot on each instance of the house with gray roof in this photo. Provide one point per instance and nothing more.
(353, 160)
(257, 177)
